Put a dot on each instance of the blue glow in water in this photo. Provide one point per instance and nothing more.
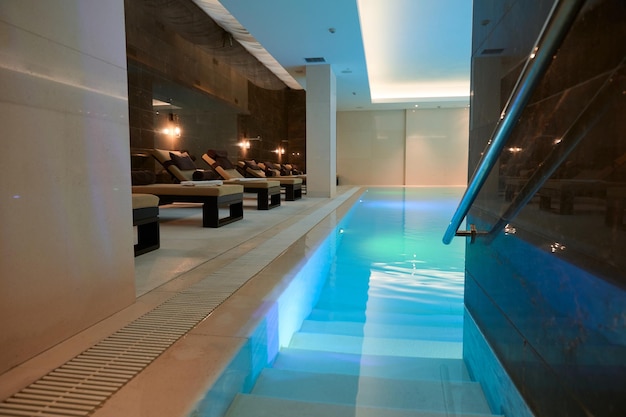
(390, 258)
(374, 316)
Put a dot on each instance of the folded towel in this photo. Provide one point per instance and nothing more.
(210, 183)
(247, 179)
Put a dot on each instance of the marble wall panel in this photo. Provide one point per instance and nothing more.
(549, 291)
(66, 241)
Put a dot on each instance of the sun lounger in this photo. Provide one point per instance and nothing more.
(292, 185)
(268, 192)
(212, 198)
(181, 166)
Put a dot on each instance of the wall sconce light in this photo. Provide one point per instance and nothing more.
(174, 127)
(175, 131)
(245, 142)
(279, 151)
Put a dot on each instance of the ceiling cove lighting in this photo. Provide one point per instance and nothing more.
(222, 17)
(444, 42)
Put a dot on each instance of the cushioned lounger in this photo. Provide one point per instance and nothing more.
(212, 198)
(180, 166)
(268, 192)
(292, 185)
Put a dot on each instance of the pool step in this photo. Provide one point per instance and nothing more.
(377, 345)
(367, 391)
(395, 367)
(249, 405)
(358, 315)
(452, 333)
(386, 304)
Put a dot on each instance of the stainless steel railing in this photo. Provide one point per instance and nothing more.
(558, 24)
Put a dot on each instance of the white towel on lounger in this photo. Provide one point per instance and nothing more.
(247, 179)
(209, 183)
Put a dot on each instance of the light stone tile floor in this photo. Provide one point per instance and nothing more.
(192, 257)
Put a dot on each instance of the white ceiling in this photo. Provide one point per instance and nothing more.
(418, 50)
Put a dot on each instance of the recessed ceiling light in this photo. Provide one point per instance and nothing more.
(388, 82)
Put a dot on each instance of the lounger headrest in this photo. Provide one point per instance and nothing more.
(183, 161)
(220, 158)
(165, 158)
(213, 153)
(252, 165)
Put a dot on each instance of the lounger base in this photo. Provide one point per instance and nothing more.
(211, 206)
(266, 198)
(146, 220)
(210, 196)
(293, 192)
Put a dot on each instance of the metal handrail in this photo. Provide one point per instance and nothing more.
(557, 25)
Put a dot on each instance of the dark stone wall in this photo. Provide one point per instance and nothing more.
(204, 82)
(275, 117)
(296, 128)
(549, 291)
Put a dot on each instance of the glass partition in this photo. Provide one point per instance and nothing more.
(573, 131)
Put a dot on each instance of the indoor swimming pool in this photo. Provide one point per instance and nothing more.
(375, 322)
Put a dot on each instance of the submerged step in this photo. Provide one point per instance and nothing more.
(387, 318)
(453, 333)
(396, 367)
(441, 396)
(374, 305)
(249, 405)
(377, 345)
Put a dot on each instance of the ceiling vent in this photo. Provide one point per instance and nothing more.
(492, 51)
(316, 60)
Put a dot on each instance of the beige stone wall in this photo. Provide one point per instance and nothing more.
(66, 242)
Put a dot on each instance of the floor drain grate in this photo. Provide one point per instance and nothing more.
(82, 384)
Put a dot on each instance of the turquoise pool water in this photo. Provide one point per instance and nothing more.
(391, 271)
(384, 329)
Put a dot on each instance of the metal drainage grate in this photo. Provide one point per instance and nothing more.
(82, 384)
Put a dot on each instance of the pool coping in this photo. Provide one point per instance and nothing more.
(181, 376)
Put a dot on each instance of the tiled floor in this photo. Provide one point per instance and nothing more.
(190, 257)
